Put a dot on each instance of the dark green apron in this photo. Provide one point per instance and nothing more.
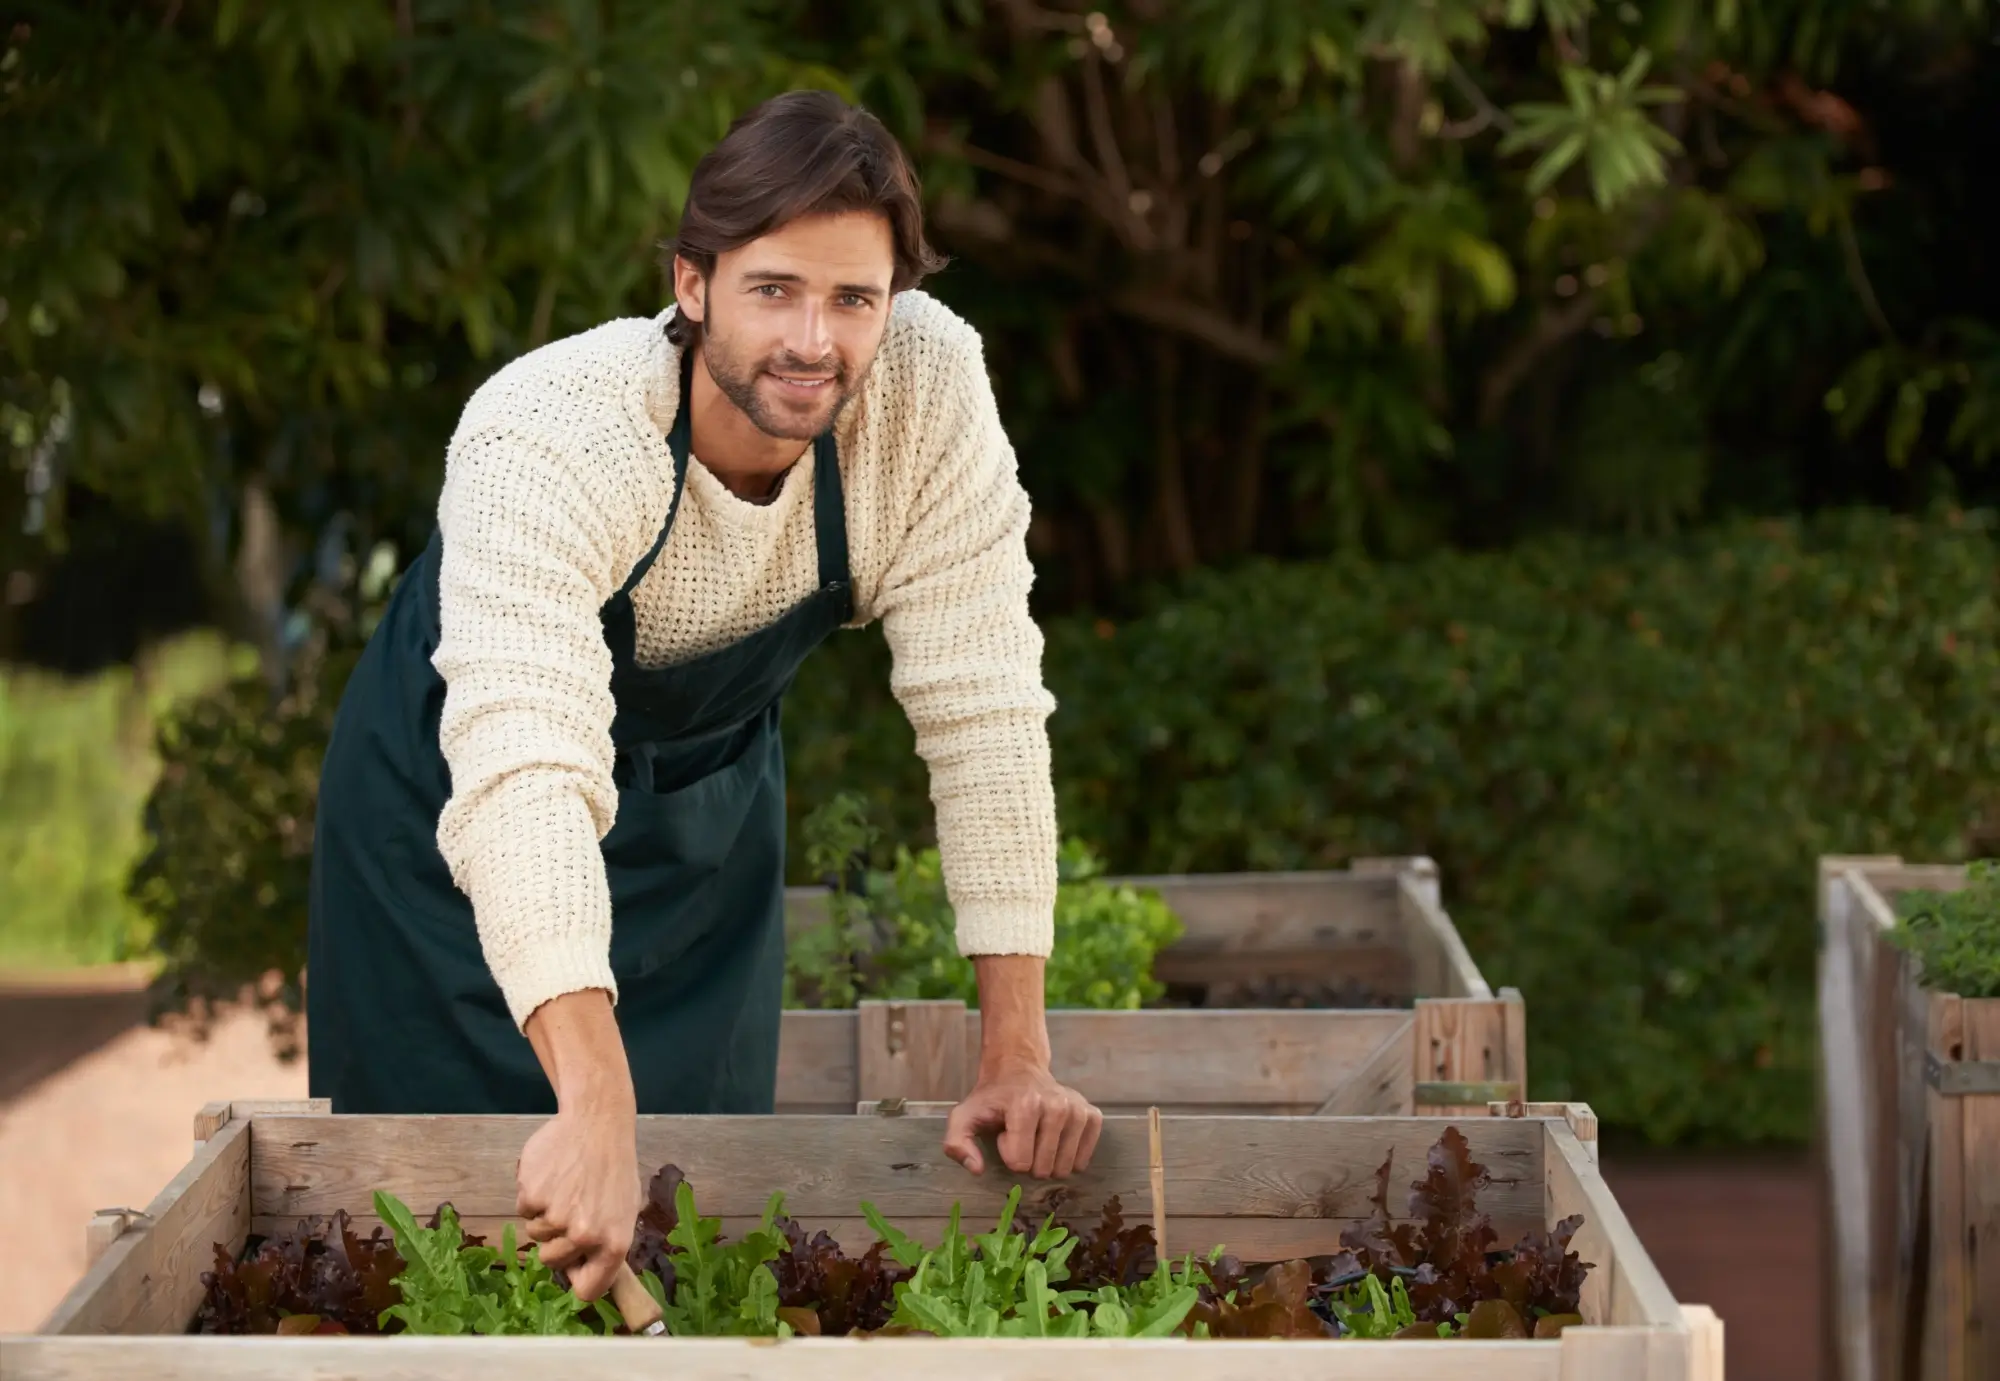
(403, 1015)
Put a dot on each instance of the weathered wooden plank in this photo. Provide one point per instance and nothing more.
(1464, 1041)
(1889, 982)
(1944, 1304)
(1705, 1325)
(1578, 1356)
(1275, 911)
(1383, 968)
(1891, 879)
(912, 1050)
(1440, 958)
(149, 1279)
(1626, 1288)
(1252, 1061)
(1604, 1354)
(1581, 1119)
(1980, 1133)
(1187, 1057)
(1846, 967)
(1383, 1084)
(1904, 1153)
(818, 1062)
(1216, 1167)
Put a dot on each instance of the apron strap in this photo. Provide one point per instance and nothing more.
(829, 513)
(679, 442)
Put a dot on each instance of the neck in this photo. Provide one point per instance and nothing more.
(749, 462)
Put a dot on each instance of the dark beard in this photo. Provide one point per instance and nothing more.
(739, 386)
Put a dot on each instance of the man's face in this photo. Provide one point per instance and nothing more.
(791, 322)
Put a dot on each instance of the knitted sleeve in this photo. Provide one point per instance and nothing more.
(530, 553)
(968, 665)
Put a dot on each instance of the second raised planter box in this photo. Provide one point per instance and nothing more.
(1435, 1039)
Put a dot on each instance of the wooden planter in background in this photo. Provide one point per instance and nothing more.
(1456, 1046)
(1910, 1132)
(1268, 1188)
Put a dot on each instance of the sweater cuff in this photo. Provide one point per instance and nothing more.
(536, 973)
(1005, 927)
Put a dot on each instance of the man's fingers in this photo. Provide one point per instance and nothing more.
(1075, 1123)
(1017, 1138)
(1093, 1127)
(1052, 1122)
(961, 1136)
(561, 1254)
(593, 1277)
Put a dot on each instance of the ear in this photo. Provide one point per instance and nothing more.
(688, 289)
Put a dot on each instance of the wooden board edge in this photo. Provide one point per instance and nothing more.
(1463, 1063)
(1709, 1353)
(821, 1359)
(1377, 1085)
(1608, 1352)
(1636, 1289)
(1579, 1117)
(225, 1156)
(1424, 914)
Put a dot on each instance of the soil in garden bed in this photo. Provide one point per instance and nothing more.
(1282, 990)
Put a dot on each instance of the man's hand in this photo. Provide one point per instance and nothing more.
(1044, 1129)
(577, 1183)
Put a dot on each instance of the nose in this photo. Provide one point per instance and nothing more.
(808, 337)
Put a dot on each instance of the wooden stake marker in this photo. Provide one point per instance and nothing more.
(1158, 1171)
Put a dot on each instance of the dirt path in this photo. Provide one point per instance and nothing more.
(109, 1130)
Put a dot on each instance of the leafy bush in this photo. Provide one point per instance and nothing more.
(890, 933)
(1626, 758)
(1955, 935)
(76, 762)
(224, 883)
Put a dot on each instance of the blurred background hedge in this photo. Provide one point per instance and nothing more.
(1625, 756)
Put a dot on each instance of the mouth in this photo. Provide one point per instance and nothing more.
(804, 385)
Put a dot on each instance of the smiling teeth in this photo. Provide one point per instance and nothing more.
(805, 383)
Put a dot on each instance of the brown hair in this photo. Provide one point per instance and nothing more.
(803, 153)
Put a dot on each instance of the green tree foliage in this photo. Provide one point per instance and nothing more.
(1258, 276)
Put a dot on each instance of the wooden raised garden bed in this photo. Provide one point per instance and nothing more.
(1270, 1189)
(1435, 1038)
(1910, 1107)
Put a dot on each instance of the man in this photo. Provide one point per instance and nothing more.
(547, 873)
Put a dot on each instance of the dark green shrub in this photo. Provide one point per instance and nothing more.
(1955, 935)
(224, 882)
(1626, 758)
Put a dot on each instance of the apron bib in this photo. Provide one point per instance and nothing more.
(402, 1013)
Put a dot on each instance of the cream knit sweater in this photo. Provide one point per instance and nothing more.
(556, 483)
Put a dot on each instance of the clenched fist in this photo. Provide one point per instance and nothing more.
(577, 1183)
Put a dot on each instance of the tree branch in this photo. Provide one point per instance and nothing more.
(1056, 184)
(1487, 112)
(1552, 328)
(1198, 322)
(1857, 275)
(1097, 109)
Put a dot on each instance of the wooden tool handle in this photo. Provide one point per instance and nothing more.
(638, 1308)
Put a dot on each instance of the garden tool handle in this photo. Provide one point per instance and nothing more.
(635, 1305)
